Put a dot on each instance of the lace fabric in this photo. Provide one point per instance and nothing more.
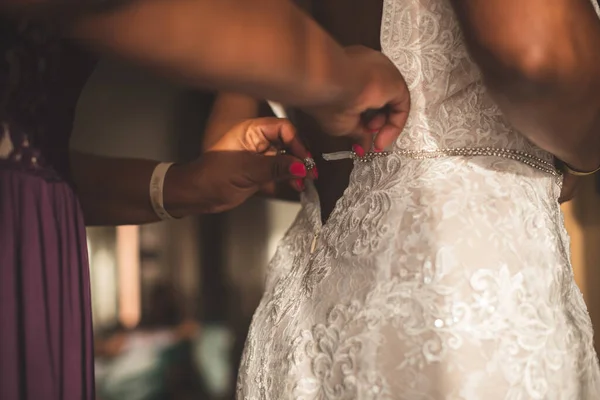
(444, 278)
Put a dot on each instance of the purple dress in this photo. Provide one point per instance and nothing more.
(46, 348)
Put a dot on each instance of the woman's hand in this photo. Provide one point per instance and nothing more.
(114, 191)
(243, 161)
(380, 106)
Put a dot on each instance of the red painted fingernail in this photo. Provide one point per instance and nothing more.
(377, 150)
(315, 173)
(358, 150)
(300, 184)
(309, 155)
(298, 169)
(373, 130)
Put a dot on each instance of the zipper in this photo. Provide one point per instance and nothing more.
(313, 245)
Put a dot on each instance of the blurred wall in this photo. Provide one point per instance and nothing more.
(128, 113)
(217, 262)
(582, 219)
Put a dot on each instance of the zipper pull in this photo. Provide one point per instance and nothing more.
(339, 155)
(313, 245)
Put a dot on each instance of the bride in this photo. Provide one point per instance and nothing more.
(439, 268)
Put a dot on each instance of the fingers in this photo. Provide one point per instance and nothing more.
(298, 185)
(371, 123)
(397, 116)
(286, 168)
(376, 123)
(263, 170)
(380, 128)
(386, 102)
(386, 137)
(281, 132)
(365, 141)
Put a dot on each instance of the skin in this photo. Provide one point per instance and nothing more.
(358, 22)
(115, 191)
(540, 61)
(352, 23)
(270, 49)
(330, 83)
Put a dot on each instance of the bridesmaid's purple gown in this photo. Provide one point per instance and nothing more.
(46, 348)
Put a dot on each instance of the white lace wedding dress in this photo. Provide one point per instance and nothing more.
(436, 276)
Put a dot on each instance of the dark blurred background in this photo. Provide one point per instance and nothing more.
(172, 301)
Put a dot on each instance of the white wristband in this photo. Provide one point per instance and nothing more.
(157, 183)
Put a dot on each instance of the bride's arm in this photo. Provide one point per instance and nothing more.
(541, 61)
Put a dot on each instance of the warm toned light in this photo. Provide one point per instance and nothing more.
(577, 245)
(128, 264)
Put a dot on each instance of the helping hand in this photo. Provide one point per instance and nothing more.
(381, 103)
(242, 162)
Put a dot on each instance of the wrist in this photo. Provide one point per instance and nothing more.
(352, 81)
(189, 190)
(177, 191)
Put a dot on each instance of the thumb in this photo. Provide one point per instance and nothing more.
(277, 168)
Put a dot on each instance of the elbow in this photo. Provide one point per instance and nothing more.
(532, 68)
(537, 65)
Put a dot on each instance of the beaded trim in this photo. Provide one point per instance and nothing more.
(517, 155)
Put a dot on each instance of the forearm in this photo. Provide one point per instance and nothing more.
(228, 110)
(541, 63)
(115, 191)
(265, 48)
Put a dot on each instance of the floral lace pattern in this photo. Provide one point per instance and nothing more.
(432, 279)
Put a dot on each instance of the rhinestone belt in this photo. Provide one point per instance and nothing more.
(517, 155)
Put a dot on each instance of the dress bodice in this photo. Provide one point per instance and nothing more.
(450, 105)
(41, 77)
